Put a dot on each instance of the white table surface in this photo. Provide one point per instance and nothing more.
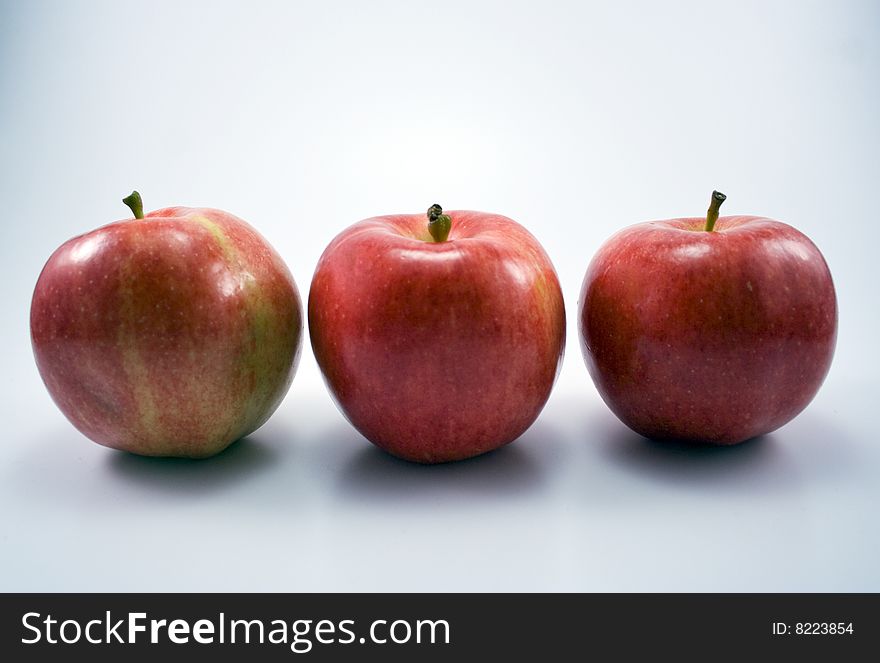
(576, 120)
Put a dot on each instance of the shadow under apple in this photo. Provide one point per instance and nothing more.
(517, 469)
(809, 450)
(760, 466)
(242, 460)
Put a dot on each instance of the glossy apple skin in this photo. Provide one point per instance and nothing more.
(713, 337)
(437, 351)
(172, 335)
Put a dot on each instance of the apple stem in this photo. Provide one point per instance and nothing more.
(439, 224)
(714, 206)
(135, 204)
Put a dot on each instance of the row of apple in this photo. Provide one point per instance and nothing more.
(177, 332)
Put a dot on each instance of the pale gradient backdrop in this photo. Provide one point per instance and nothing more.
(574, 118)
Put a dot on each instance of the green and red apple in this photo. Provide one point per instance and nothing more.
(174, 333)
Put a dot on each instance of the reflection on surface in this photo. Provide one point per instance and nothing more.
(84, 249)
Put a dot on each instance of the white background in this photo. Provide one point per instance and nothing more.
(574, 119)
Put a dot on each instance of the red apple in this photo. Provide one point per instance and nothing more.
(173, 334)
(435, 347)
(708, 332)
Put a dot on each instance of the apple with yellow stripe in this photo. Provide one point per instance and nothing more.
(170, 334)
